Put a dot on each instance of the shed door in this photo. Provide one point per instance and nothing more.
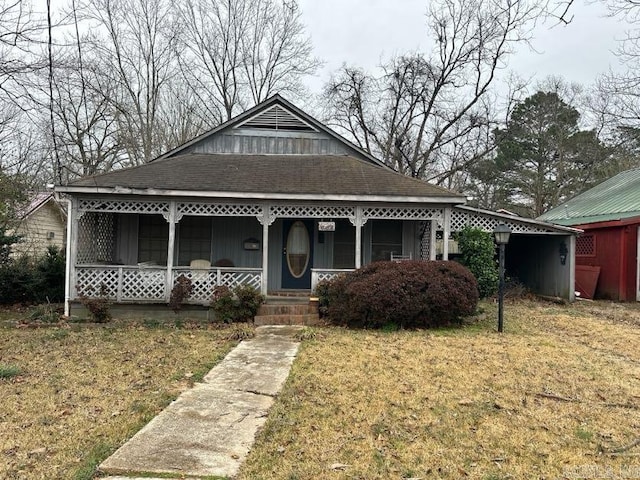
(297, 254)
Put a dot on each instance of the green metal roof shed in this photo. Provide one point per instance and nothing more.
(607, 253)
(615, 199)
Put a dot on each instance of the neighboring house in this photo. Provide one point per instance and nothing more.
(277, 200)
(607, 254)
(41, 224)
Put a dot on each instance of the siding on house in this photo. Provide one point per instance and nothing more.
(272, 143)
(41, 229)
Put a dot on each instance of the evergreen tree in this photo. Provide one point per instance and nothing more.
(542, 157)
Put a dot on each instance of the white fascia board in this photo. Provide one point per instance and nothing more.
(263, 196)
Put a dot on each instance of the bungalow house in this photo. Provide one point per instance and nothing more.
(274, 199)
(41, 224)
(608, 253)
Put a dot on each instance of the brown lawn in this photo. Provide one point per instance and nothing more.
(82, 391)
(556, 396)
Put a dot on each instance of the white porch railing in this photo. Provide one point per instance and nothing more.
(121, 283)
(149, 283)
(320, 274)
(204, 280)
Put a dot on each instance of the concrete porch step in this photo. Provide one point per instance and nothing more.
(287, 308)
(296, 300)
(308, 319)
(289, 293)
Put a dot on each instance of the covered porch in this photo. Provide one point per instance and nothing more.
(132, 250)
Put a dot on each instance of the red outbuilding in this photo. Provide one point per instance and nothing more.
(607, 253)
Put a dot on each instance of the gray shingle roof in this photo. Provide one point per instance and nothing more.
(614, 199)
(268, 174)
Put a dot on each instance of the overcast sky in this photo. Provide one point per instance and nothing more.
(361, 32)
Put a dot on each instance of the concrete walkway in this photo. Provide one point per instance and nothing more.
(209, 429)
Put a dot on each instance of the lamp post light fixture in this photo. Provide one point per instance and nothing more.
(501, 234)
(563, 253)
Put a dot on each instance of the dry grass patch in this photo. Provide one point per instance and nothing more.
(550, 398)
(83, 391)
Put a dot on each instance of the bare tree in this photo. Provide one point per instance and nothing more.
(182, 116)
(425, 114)
(20, 30)
(615, 98)
(86, 122)
(134, 42)
(239, 52)
(277, 53)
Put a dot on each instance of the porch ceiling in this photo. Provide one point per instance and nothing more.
(267, 174)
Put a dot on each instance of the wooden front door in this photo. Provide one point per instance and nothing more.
(297, 254)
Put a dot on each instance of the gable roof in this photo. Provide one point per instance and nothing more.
(35, 203)
(265, 113)
(614, 199)
(330, 177)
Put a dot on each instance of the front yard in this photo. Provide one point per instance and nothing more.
(556, 396)
(70, 396)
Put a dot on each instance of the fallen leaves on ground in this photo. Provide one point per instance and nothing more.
(83, 391)
(557, 392)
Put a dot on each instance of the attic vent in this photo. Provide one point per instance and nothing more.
(277, 118)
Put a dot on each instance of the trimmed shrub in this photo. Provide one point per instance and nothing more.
(238, 305)
(411, 294)
(478, 255)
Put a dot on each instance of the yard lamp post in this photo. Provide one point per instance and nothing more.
(501, 234)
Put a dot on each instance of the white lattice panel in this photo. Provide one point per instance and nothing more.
(143, 284)
(318, 276)
(201, 281)
(311, 211)
(204, 281)
(219, 209)
(487, 223)
(401, 213)
(233, 279)
(97, 282)
(85, 249)
(122, 206)
(425, 240)
(96, 238)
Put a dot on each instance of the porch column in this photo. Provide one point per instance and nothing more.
(446, 233)
(265, 220)
(572, 268)
(70, 254)
(432, 241)
(358, 222)
(173, 218)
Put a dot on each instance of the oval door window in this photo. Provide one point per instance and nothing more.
(298, 249)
